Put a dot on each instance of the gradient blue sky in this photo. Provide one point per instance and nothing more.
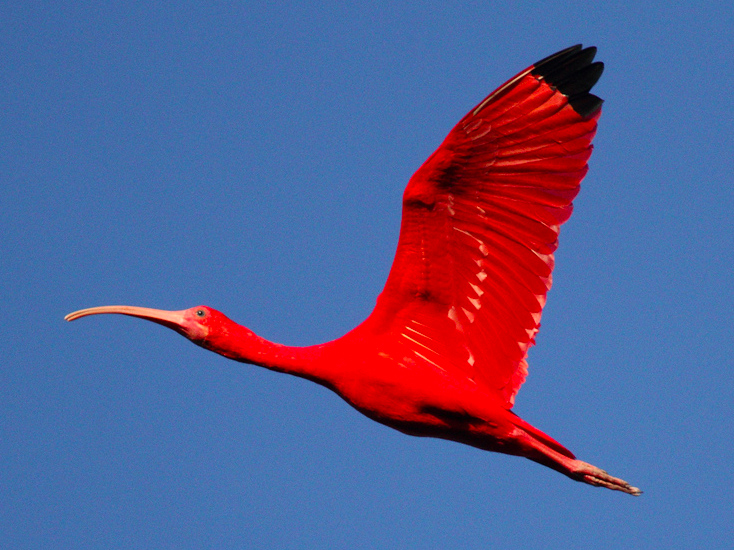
(252, 158)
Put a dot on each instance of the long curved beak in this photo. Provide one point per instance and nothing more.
(170, 319)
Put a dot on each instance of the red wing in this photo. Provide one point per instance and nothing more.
(481, 220)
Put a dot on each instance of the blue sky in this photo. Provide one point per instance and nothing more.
(252, 159)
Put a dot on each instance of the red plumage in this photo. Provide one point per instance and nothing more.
(444, 352)
(480, 225)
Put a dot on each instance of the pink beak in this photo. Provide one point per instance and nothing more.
(170, 319)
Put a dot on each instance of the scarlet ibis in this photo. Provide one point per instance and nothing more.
(443, 354)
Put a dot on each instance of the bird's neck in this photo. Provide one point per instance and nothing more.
(241, 344)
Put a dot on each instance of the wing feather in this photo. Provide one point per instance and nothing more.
(480, 225)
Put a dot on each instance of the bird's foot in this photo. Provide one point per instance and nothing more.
(595, 476)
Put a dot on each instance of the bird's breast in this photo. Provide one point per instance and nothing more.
(398, 389)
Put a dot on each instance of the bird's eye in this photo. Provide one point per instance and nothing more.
(200, 313)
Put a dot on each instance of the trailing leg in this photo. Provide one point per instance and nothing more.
(540, 448)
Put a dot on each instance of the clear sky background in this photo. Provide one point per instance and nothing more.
(169, 154)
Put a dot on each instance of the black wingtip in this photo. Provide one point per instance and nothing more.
(573, 73)
(546, 61)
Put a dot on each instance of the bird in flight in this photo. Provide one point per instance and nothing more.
(443, 354)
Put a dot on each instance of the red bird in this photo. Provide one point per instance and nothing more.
(444, 352)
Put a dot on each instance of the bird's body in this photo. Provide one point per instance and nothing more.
(444, 352)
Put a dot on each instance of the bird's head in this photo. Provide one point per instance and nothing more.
(201, 324)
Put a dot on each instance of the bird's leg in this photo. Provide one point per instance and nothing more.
(596, 476)
(576, 469)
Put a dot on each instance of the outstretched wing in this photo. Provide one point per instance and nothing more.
(480, 224)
